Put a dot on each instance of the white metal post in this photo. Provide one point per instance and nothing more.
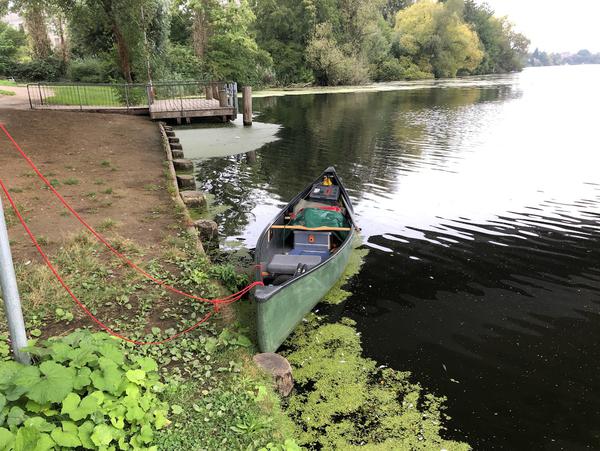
(10, 295)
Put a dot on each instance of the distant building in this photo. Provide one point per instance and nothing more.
(18, 23)
(15, 21)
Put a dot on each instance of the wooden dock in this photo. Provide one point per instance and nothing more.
(190, 108)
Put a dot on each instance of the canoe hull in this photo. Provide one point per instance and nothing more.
(278, 316)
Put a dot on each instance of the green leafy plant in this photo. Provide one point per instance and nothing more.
(83, 392)
(227, 274)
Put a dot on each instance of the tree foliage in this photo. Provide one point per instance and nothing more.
(437, 39)
(275, 42)
(11, 44)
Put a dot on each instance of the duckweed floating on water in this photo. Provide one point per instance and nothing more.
(344, 401)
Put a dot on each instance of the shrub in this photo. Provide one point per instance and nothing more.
(48, 69)
(92, 70)
(182, 63)
(11, 44)
(83, 392)
(331, 65)
(401, 69)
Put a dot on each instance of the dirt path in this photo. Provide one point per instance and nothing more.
(109, 167)
(19, 101)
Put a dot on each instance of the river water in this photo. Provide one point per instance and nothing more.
(480, 201)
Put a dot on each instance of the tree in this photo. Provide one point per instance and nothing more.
(232, 51)
(11, 43)
(331, 65)
(437, 39)
(284, 28)
(34, 13)
(136, 29)
(504, 49)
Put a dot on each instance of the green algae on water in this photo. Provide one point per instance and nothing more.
(337, 294)
(344, 401)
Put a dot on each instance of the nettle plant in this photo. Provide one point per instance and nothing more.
(82, 392)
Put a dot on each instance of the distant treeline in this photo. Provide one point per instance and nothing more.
(258, 42)
(540, 58)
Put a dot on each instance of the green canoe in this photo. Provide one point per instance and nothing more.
(300, 256)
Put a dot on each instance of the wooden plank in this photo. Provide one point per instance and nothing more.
(193, 113)
(312, 229)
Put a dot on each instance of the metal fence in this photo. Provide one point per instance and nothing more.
(164, 95)
(84, 96)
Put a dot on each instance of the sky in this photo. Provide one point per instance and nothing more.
(554, 25)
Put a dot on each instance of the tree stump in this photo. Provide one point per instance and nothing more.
(173, 139)
(278, 367)
(207, 229)
(177, 146)
(170, 133)
(187, 182)
(177, 153)
(181, 164)
(194, 199)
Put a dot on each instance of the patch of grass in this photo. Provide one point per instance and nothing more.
(85, 95)
(54, 183)
(107, 191)
(71, 181)
(99, 182)
(152, 187)
(91, 195)
(105, 163)
(107, 224)
(15, 190)
(4, 92)
(218, 399)
(8, 83)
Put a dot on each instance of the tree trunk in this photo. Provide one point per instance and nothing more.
(123, 50)
(60, 30)
(35, 22)
(200, 30)
(122, 46)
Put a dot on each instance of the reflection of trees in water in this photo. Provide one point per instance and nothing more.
(233, 184)
(364, 135)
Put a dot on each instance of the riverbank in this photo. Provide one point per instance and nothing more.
(111, 169)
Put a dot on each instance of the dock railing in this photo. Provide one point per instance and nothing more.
(163, 95)
(190, 95)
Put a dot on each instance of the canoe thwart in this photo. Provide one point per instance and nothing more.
(314, 229)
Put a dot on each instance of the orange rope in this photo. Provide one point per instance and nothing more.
(216, 302)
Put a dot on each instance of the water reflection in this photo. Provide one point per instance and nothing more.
(480, 199)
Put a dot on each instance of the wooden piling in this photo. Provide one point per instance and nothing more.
(215, 88)
(209, 92)
(247, 95)
(223, 98)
